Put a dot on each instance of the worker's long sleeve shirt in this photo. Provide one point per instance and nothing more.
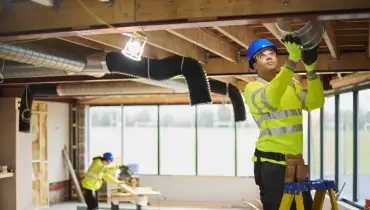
(277, 106)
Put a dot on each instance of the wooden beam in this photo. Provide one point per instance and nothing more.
(118, 41)
(352, 79)
(348, 61)
(176, 45)
(136, 15)
(242, 35)
(208, 40)
(330, 40)
(88, 43)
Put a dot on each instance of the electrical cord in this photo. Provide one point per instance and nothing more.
(1, 72)
(24, 118)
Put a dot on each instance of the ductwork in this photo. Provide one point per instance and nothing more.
(235, 96)
(118, 88)
(153, 72)
(37, 57)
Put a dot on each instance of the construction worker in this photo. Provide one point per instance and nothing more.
(276, 103)
(99, 170)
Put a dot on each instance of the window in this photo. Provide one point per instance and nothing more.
(329, 138)
(140, 137)
(363, 146)
(315, 145)
(177, 140)
(346, 144)
(105, 132)
(247, 135)
(216, 140)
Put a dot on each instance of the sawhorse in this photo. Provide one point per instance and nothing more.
(293, 190)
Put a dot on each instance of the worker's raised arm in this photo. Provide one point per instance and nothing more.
(261, 98)
(314, 97)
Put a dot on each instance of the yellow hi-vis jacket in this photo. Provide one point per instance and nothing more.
(276, 107)
(97, 173)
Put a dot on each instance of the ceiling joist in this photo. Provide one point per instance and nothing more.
(208, 40)
(152, 14)
(330, 40)
(243, 35)
(176, 45)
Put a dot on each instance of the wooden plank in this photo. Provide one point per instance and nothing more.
(208, 40)
(71, 15)
(330, 40)
(140, 190)
(72, 173)
(352, 79)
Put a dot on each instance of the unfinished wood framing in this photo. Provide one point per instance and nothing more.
(40, 181)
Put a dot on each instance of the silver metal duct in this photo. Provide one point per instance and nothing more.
(108, 88)
(37, 57)
(95, 67)
(21, 70)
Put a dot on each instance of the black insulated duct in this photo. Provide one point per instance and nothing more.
(235, 97)
(163, 70)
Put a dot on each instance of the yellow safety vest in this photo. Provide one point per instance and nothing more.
(97, 173)
(277, 106)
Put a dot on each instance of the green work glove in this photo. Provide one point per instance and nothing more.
(293, 46)
(309, 58)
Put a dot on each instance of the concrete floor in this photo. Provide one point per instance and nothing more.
(73, 206)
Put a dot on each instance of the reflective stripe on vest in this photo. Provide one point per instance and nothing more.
(94, 174)
(264, 98)
(276, 115)
(303, 96)
(281, 130)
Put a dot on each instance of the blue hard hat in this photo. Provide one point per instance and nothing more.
(108, 156)
(256, 46)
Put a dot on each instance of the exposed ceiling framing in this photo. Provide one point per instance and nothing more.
(214, 33)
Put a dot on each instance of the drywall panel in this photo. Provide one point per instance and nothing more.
(231, 190)
(58, 136)
(24, 171)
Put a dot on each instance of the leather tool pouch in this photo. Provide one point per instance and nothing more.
(295, 170)
(302, 172)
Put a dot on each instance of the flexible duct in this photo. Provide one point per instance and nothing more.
(235, 97)
(163, 70)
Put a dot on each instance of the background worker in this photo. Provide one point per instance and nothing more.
(99, 171)
(276, 103)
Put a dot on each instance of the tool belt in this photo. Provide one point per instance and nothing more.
(295, 171)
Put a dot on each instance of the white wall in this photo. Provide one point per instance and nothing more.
(58, 136)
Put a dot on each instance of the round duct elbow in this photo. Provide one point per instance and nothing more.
(235, 97)
(164, 70)
(96, 65)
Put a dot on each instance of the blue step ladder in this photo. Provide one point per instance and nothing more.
(293, 190)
